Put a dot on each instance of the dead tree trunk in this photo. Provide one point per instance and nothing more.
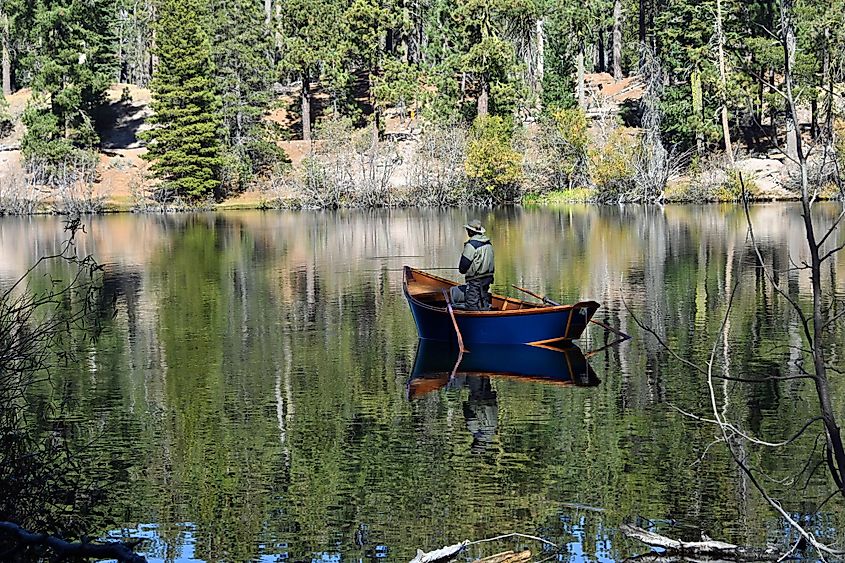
(482, 106)
(617, 39)
(827, 81)
(704, 548)
(7, 58)
(723, 84)
(789, 44)
(306, 107)
(541, 62)
(836, 451)
(580, 88)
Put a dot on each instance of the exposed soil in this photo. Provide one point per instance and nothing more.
(122, 168)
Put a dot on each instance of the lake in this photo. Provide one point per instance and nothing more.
(250, 400)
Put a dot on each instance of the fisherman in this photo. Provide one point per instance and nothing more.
(477, 266)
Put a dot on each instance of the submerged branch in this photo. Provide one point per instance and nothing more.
(64, 549)
(707, 548)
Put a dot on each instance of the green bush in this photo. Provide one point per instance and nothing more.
(7, 124)
(493, 166)
(731, 189)
(563, 143)
(611, 166)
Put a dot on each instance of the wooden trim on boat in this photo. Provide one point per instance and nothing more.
(534, 309)
(548, 344)
(568, 324)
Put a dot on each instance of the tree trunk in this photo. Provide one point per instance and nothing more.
(836, 455)
(617, 39)
(760, 99)
(772, 111)
(580, 88)
(814, 118)
(376, 125)
(268, 12)
(306, 108)
(827, 80)
(7, 58)
(642, 30)
(698, 109)
(540, 71)
(723, 83)
(601, 52)
(791, 125)
(483, 98)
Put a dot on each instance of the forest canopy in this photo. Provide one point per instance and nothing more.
(217, 67)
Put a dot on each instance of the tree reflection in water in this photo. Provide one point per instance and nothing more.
(255, 381)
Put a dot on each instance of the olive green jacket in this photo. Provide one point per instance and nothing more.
(477, 258)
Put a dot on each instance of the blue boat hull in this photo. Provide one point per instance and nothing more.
(533, 324)
(435, 362)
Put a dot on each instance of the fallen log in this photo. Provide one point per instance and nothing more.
(507, 557)
(443, 554)
(707, 548)
(66, 550)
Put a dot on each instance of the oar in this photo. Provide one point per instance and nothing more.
(542, 298)
(454, 323)
(545, 299)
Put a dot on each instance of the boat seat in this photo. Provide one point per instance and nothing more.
(428, 295)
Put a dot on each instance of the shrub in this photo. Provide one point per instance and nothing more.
(563, 145)
(492, 165)
(7, 124)
(611, 166)
(437, 176)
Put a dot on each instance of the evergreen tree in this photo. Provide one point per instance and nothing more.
(372, 25)
(243, 55)
(686, 33)
(72, 63)
(313, 45)
(488, 57)
(184, 143)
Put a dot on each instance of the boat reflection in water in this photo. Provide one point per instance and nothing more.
(438, 365)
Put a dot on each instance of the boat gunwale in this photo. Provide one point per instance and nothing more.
(534, 310)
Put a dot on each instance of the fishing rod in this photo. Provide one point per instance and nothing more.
(403, 269)
(548, 301)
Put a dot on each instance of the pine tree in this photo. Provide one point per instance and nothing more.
(184, 143)
(313, 44)
(71, 66)
(243, 55)
(487, 57)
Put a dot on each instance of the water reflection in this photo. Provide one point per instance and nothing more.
(438, 364)
(255, 381)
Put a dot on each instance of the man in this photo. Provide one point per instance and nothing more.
(477, 266)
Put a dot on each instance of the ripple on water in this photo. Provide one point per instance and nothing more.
(250, 399)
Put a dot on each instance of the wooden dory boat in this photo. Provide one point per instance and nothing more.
(511, 321)
(434, 365)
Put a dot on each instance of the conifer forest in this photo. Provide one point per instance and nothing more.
(420, 102)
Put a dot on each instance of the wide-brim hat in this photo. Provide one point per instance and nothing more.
(475, 226)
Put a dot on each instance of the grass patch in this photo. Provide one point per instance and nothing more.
(557, 197)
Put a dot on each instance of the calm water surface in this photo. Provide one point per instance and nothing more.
(251, 398)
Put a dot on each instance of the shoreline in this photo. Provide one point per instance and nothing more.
(244, 202)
